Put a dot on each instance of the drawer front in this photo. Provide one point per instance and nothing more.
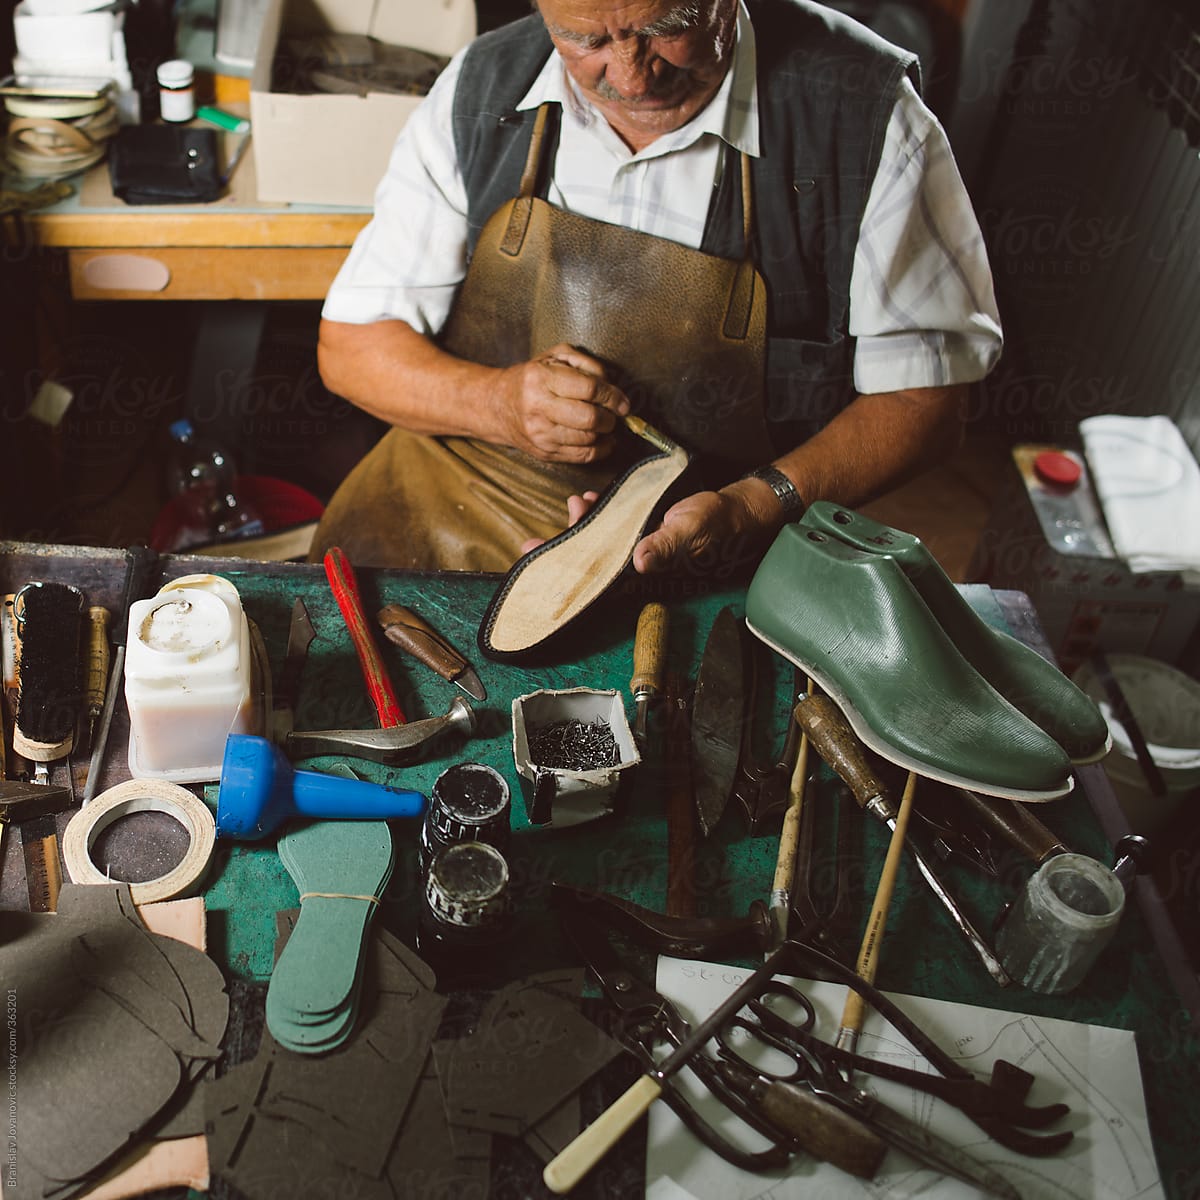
(205, 273)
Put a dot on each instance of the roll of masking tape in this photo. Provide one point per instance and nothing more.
(142, 795)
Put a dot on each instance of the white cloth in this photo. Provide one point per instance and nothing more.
(1148, 483)
(921, 298)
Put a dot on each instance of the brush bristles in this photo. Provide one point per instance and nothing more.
(50, 687)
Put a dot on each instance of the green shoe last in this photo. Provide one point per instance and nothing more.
(1019, 673)
(857, 626)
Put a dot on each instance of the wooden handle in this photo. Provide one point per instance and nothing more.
(854, 1011)
(97, 657)
(403, 627)
(572, 1163)
(344, 586)
(824, 1130)
(789, 837)
(838, 745)
(1015, 823)
(649, 649)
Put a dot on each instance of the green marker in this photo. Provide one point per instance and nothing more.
(224, 120)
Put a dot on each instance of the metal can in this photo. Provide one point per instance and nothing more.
(466, 904)
(469, 802)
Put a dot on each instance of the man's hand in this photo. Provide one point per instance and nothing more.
(712, 531)
(560, 408)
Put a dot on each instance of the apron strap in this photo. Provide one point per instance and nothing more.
(522, 209)
(741, 294)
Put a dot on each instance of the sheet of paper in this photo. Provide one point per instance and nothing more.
(1091, 1068)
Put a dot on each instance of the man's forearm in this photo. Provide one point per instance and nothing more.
(395, 373)
(557, 407)
(877, 443)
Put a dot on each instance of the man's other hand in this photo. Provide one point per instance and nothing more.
(715, 532)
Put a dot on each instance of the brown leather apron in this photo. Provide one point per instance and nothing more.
(682, 332)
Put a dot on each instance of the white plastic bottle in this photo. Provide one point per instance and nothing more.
(189, 679)
(176, 90)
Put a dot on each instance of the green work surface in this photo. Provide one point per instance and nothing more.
(626, 854)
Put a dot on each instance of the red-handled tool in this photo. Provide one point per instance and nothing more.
(344, 585)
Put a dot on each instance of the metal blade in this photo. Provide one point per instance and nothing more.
(414, 635)
(934, 1151)
(718, 709)
(287, 687)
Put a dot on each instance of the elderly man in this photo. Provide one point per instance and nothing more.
(735, 218)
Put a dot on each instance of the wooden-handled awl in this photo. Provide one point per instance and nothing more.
(837, 744)
(649, 655)
(780, 903)
(96, 685)
(1015, 824)
(141, 566)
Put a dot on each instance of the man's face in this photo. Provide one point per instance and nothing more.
(648, 65)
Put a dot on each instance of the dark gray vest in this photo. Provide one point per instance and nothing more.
(826, 89)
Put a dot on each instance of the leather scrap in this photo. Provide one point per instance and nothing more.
(105, 1008)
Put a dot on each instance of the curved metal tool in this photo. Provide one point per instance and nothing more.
(839, 746)
(394, 747)
(762, 789)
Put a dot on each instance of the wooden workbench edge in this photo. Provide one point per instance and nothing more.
(217, 228)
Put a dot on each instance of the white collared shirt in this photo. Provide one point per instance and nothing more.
(922, 305)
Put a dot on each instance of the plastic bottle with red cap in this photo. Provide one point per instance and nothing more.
(1066, 506)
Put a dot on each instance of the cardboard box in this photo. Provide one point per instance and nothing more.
(334, 149)
(1083, 602)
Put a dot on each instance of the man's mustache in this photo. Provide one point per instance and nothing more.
(661, 87)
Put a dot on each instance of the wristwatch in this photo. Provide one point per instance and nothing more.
(785, 491)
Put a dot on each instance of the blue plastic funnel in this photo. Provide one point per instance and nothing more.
(260, 791)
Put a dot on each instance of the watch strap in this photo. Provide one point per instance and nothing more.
(785, 490)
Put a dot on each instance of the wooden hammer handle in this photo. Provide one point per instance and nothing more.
(344, 585)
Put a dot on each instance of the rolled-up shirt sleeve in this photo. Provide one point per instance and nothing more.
(408, 261)
(922, 303)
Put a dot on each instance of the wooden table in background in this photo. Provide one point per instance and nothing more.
(235, 248)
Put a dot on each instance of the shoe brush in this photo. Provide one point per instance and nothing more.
(49, 621)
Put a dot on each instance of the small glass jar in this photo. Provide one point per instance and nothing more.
(1056, 929)
(469, 802)
(466, 911)
(176, 90)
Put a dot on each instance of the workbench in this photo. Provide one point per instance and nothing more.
(235, 248)
(1143, 983)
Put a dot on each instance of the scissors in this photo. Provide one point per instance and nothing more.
(804, 1065)
(645, 1020)
(832, 1120)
